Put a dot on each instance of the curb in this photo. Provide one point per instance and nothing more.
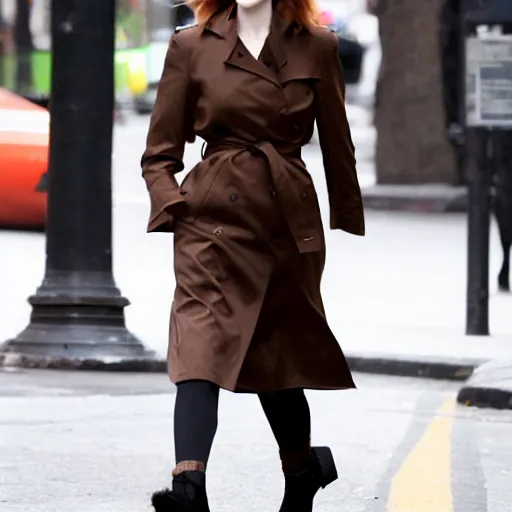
(491, 398)
(490, 386)
(426, 367)
(149, 364)
(397, 366)
(416, 198)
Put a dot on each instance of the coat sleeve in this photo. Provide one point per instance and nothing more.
(171, 126)
(338, 154)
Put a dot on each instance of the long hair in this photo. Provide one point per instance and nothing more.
(304, 12)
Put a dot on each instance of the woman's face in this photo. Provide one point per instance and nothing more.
(249, 4)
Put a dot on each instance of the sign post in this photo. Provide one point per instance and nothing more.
(487, 29)
(487, 66)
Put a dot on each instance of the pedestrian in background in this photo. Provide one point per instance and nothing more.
(247, 316)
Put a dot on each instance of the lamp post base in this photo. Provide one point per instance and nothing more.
(72, 332)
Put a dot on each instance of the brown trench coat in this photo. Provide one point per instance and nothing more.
(249, 248)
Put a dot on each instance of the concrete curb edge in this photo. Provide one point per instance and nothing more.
(416, 198)
(150, 364)
(482, 396)
(423, 367)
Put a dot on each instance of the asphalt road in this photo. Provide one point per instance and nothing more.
(96, 443)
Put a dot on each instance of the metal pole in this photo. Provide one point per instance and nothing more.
(479, 155)
(78, 312)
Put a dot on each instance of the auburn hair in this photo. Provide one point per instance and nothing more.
(304, 12)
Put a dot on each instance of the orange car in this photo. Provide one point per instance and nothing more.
(24, 138)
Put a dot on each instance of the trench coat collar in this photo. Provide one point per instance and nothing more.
(224, 25)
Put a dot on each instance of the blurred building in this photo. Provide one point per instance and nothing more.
(142, 28)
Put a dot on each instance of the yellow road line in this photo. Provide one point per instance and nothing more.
(423, 483)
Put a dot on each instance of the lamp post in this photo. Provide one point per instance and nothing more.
(77, 318)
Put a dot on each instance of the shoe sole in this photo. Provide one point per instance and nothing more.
(327, 465)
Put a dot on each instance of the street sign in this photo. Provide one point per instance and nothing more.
(489, 81)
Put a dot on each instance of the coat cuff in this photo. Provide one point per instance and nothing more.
(161, 219)
(349, 220)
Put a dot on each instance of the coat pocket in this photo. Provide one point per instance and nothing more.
(213, 260)
(197, 185)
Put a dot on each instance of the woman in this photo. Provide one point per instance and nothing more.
(250, 79)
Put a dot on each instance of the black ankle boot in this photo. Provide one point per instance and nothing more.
(302, 485)
(188, 494)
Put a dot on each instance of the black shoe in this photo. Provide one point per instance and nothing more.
(302, 485)
(188, 494)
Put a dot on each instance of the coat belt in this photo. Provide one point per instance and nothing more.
(277, 160)
(265, 147)
(305, 225)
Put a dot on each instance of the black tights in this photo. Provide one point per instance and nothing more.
(195, 420)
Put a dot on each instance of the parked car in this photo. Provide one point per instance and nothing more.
(24, 139)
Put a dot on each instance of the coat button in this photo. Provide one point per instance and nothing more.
(283, 110)
(218, 231)
(233, 197)
(273, 193)
(304, 195)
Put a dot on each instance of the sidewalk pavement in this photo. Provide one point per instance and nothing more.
(395, 298)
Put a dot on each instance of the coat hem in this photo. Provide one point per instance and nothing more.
(253, 390)
(284, 388)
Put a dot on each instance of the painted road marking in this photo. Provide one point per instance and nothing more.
(423, 483)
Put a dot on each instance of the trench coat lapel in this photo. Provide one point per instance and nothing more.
(241, 58)
(224, 25)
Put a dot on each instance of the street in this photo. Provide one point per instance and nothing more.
(79, 443)
(101, 442)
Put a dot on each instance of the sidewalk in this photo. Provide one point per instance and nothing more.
(395, 298)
